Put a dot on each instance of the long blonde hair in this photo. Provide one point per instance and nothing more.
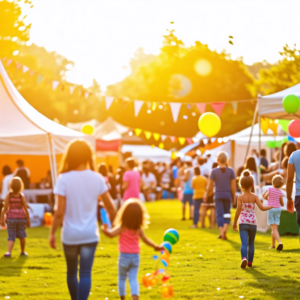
(132, 215)
(77, 152)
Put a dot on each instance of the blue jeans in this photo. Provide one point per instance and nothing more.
(247, 235)
(128, 265)
(81, 290)
(197, 204)
(222, 207)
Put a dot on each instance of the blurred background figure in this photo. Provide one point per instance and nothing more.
(148, 182)
(22, 172)
(131, 181)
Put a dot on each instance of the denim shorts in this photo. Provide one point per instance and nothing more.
(16, 228)
(188, 198)
(274, 216)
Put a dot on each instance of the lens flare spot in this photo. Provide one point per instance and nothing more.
(179, 86)
(203, 67)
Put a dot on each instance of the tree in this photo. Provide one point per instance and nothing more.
(282, 75)
(192, 74)
(13, 31)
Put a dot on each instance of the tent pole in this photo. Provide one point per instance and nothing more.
(50, 158)
(259, 148)
(53, 159)
(253, 122)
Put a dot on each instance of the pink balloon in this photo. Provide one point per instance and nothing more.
(294, 129)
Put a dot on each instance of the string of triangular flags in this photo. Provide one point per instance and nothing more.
(138, 104)
(54, 83)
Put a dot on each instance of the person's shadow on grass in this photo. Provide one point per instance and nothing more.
(275, 286)
(12, 266)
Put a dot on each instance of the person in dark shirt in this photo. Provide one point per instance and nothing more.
(224, 180)
(263, 160)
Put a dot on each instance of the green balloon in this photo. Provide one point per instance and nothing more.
(291, 104)
(271, 144)
(284, 124)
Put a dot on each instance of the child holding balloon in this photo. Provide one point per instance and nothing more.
(247, 219)
(130, 220)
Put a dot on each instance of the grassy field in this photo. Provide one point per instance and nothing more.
(201, 266)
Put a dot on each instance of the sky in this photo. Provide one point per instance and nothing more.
(101, 36)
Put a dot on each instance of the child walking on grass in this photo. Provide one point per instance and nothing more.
(275, 198)
(15, 207)
(247, 219)
(130, 220)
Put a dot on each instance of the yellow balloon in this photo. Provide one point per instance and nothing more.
(209, 124)
(87, 129)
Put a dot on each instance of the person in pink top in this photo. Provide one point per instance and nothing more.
(247, 219)
(130, 220)
(275, 198)
(131, 181)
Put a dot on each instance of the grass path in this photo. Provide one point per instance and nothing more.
(201, 266)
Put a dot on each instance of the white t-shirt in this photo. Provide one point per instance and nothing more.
(204, 169)
(81, 189)
(148, 179)
(5, 185)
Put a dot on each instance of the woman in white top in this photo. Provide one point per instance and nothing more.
(77, 191)
(148, 183)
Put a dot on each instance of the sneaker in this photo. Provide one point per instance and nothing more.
(249, 264)
(244, 263)
(194, 226)
(24, 254)
(7, 254)
(279, 247)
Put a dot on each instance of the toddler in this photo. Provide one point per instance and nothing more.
(15, 207)
(247, 219)
(130, 220)
(275, 198)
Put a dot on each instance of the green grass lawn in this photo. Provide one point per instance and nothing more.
(201, 266)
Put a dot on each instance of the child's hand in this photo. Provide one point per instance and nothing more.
(235, 227)
(52, 241)
(158, 247)
(104, 228)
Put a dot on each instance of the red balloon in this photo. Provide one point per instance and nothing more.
(294, 129)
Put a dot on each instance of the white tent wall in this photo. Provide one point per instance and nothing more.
(25, 131)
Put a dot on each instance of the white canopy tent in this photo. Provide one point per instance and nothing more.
(25, 131)
(271, 106)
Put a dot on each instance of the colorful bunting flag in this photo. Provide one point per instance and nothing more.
(201, 107)
(181, 140)
(218, 107)
(189, 140)
(71, 89)
(175, 109)
(138, 131)
(39, 78)
(137, 106)
(31, 73)
(148, 134)
(234, 106)
(156, 136)
(9, 61)
(55, 84)
(18, 65)
(163, 137)
(172, 138)
(25, 69)
(108, 101)
(161, 145)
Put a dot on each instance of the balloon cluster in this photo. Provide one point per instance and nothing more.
(267, 124)
(149, 280)
(291, 104)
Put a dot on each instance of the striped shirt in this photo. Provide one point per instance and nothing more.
(274, 197)
(129, 242)
(15, 210)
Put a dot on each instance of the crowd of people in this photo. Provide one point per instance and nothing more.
(202, 183)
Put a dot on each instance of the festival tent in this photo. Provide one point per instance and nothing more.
(27, 134)
(271, 106)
